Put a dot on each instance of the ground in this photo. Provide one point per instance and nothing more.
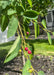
(43, 63)
(43, 58)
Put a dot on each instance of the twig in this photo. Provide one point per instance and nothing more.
(23, 40)
(23, 59)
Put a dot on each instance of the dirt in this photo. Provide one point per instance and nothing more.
(44, 63)
(39, 62)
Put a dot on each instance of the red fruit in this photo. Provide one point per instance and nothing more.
(27, 33)
(26, 48)
(29, 52)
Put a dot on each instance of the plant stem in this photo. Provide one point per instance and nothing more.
(34, 73)
(23, 58)
(21, 33)
(17, 32)
(23, 41)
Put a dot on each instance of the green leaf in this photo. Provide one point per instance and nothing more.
(36, 28)
(44, 23)
(14, 45)
(23, 3)
(26, 27)
(31, 14)
(14, 50)
(4, 22)
(12, 27)
(26, 68)
(19, 10)
(49, 38)
(30, 2)
(4, 4)
(41, 73)
(11, 12)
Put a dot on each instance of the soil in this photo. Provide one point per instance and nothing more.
(39, 62)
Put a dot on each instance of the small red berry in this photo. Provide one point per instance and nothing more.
(26, 48)
(29, 52)
(27, 33)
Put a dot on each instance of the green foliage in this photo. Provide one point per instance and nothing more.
(31, 14)
(41, 46)
(12, 27)
(14, 12)
(30, 2)
(4, 4)
(49, 38)
(14, 50)
(4, 22)
(4, 48)
(19, 10)
(42, 5)
(36, 28)
(41, 73)
(44, 23)
(48, 34)
(26, 68)
(53, 33)
(11, 12)
(26, 27)
(23, 3)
